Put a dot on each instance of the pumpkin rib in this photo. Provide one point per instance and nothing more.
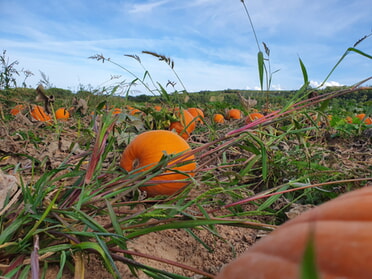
(148, 148)
(185, 126)
(342, 231)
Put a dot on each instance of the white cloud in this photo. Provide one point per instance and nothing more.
(316, 84)
(210, 41)
(147, 7)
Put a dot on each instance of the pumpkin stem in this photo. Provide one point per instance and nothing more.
(135, 163)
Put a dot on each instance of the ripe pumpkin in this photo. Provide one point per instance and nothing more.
(253, 116)
(349, 119)
(147, 149)
(234, 114)
(186, 124)
(218, 118)
(134, 111)
(342, 233)
(157, 108)
(39, 114)
(197, 113)
(362, 116)
(62, 114)
(116, 111)
(17, 109)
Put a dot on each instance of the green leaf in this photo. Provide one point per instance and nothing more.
(261, 65)
(308, 265)
(62, 263)
(113, 218)
(6, 234)
(304, 72)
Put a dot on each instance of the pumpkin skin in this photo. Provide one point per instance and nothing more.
(367, 120)
(197, 113)
(234, 114)
(62, 114)
(218, 118)
(39, 114)
(342, 240)
(135, 111)
(186, 120)
(253, 116)
(17, 109)
(116, 111)
(147, 149)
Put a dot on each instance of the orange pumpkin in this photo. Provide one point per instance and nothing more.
(362, 117)
(253, 116)
(218, 118)
(62, 114)
(39, 114)
(157, 108)
(185, 126)
(135, 111)
(349, 119)
(197, 113)
(17, 109)
(342, 233)
(147, 149)
(234, 114)
(116, 111)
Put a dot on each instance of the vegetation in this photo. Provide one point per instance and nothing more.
(74, 201)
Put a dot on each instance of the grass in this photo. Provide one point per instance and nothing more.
(55, 218)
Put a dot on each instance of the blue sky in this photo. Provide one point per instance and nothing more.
(210, 41)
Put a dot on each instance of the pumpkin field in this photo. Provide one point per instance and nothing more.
(170, 184)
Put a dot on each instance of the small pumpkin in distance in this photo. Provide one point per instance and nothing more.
(234, 114)
(17, 109)
(186, 124)
(147, 149)
(342, 234)
(197, 113)
(135, 111)
(253, 116)
(218, 118)
(366, 120)
(116, 111)
(157, 108)
(39, 114)
(62, 114)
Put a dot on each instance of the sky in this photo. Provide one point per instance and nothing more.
(211, 42)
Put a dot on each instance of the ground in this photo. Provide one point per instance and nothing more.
(169, 245)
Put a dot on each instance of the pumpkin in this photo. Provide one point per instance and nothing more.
(147, 149)
(17, 109)
(157, 108)
(349, 119)
(116, 111)
(62, 114)
(234, 114)
(253, 116)
(186, 124)
(342, 235)
(134, 111)
(362, 117)
(218, 118)
(39, 114)
(197, 113)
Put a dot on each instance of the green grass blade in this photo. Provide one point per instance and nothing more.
(114, 219)
(6, 234)
(304, 71)
(261, 65)
(308, 265)
(62, 263)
